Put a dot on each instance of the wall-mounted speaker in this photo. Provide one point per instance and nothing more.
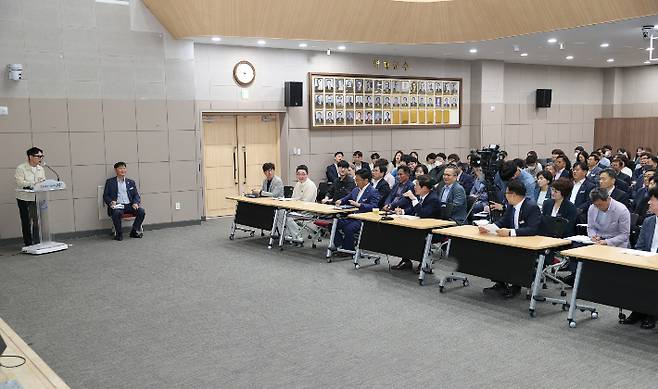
(544, 98)
(293, 94)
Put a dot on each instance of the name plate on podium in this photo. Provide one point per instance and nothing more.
(49, 185)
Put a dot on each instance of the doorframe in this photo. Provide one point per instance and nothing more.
(283, 145)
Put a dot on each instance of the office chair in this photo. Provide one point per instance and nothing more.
(287, 191)
(555, 227)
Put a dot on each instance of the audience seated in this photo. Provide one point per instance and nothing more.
(380, 183)
(340, 187)
(479, 196)
(593, 167)
(608, 220)
(648, 241)
(374, 157)
(543, 187)
(396, 198)
(618, 165)
(563, 167)
(521, 218)
(431, 161)
(397, 158)
(464, 179)
(607, 181)
(305, 190)
(532, 165)
(365, 198)
(559, 206)
(422, 202)
(272, 184)
(357, 161)
(332, 170)
(580, 193)
(388, 177)
(452, 197)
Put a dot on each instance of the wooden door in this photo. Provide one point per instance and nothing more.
(220, 164)
(258, 142)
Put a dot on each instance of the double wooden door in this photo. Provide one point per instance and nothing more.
(235, 147)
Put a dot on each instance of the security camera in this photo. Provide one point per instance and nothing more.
(647, 31)
(15, 71)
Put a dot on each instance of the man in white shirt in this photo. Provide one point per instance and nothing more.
(27, 175)
(305, 190)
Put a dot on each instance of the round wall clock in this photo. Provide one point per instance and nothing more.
(244, 73)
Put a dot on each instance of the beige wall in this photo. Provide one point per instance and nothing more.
(100, 86)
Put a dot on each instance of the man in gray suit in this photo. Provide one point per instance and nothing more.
(648, 241)
(272, 184)
(452, 197)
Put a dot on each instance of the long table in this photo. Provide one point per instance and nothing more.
(614, 276)
(263, 213)
(401, 237)
(506, 259)
(35, 373)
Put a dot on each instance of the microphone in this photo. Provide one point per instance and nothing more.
(43, 163)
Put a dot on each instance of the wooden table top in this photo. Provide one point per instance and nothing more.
(295, 205)
(615, 255)
(523, 242)
(420, 224)
(34, 373)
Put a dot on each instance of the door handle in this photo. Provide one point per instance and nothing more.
(244, 160)
(235, 165)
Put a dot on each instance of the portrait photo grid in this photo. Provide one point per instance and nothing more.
(347, 100)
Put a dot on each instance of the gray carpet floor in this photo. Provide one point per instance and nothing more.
(187, 308)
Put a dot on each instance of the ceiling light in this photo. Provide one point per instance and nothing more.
(473, 51)
(524, 54)
(605, 44)
(261, 42)
(302, 45)
(341, 47)
(552, 40)
(328, 51)
(569, 57)
(647, 62)
(561, 45)
(610, 60)
(215, 39)
(649, 48)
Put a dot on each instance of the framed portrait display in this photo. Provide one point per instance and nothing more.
(358, 100)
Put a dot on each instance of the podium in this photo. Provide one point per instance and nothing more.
(42, 191)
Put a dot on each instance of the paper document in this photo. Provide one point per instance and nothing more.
(284, 198)
(408, 217)
(491, 228)
(638, 253)
(118, 206)
(580, 239)
(481, 214)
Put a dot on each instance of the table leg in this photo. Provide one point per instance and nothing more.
(282, 230)
(358, 245)
(274, 229)
(535, 284)
(425, 263)
(331, 246)
(574, 296)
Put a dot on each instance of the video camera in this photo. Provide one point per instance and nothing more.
(489, 159)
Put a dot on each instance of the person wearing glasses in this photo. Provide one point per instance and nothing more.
(27, 175)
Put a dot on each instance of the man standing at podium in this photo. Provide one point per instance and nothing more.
(27, 175)
(121, 197)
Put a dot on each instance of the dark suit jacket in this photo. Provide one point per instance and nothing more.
(623, 186)
(111, 192)
(624, 177)
(620, 196)
(566, 173)
(466, 181)
(430, 207)
(455, 203)
(646, 234)
(396, 199)
(383, 189)
(331, 173)
(583, 202)
(566, 211)
(368, 201)
(364, 165)
(529, 218)
(341, 188)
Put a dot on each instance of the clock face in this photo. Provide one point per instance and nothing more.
(244, 73)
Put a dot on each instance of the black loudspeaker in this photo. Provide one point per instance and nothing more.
(544, 98)
(293, 94)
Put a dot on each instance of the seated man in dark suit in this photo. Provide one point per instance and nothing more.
(332, 170)
(364, 197)
(580, 193)
(452, 197)
(424, 203)
(562, 166)
(121, 196)
(607, 181)
(465, 180)
(396, 198)
(648, 241)
(342, 186)
(618, 165)
(378, 182)
(521, 218)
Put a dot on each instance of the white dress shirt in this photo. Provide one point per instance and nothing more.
(122, 195)
(574, 192)
(654, 243)
(358, 197)
(543, 196)
(517, 213)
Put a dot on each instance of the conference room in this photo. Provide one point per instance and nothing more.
(382, 193)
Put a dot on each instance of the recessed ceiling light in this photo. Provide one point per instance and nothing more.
(473, 51)
(524, 54)
(649, 48)
(552, 40)
(605, 44)
(610, 60)
(215, 39)
(569, 57)
(647, 62)
(341, 47)
(261, 42)
(302, 45)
